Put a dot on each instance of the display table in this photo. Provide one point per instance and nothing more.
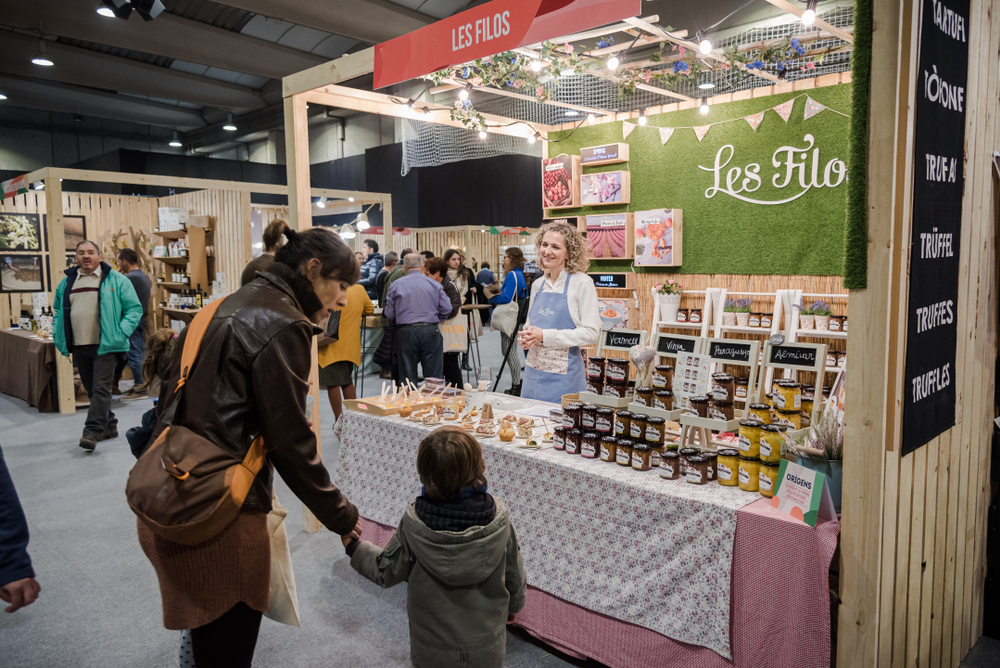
(28, 365)
(624, 566)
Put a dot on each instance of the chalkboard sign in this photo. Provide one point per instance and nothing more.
(613, 281)
(669, 345)
(788, 356)
(730, 351)
(604, 155)
(622, 339)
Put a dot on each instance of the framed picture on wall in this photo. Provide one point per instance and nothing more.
(74, 230)
(658, 237)
(21, 273)
(20, 232)
(615, 313)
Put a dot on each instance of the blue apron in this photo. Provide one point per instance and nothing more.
(550, 310)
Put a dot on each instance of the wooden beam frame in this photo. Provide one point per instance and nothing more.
(797, 10)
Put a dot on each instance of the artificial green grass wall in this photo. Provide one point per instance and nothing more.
(856, 246)
(723, 234)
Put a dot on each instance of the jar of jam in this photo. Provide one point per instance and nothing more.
(742, 387)
(615, 388)
(670, 465)
(761, 411)
(616, 369)
(664, 400)
(694, 315)
(574, 441)
(843, 325)
(768, 479)
(588, 417)
(595, 367)
(791, 419)
(769, 399)
(750, 435)
(723, 387)
(765, 320)
(623, 455)
(721, 410)
(697, 470)
(623, 424)
(656, 430)
(604, 422)
(686, 453)
(831, 359)
(663, 377)
(754, 320)
(699, 403)
(637, 429)
(595, 385)
(749, 474)
(556, 415)
(658, 450)
(572, 416)
(841, 360)
(590, 446)
(836, 323)
(559, 438)
(609, 448)
(711, 459)
(643, 396)
(727, 467)
(789, 396)
(642, 456)
(683, 314)
(807, 409)
(630, 389)
(771, 441)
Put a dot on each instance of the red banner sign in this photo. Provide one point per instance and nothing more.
(497, 26)
(14, 187)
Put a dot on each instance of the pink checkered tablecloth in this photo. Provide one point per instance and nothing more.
(623, 565)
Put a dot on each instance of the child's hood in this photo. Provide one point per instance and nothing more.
(459, 558)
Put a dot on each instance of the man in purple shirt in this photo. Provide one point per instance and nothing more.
(417, 304)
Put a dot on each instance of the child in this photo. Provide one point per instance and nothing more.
(159, 354)
(457, 549)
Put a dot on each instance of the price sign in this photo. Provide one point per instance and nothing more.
(802, 493)
(612, 281)
(730, 351)
(622, 339)
(602, 155)
(788, 356)
(672, 345)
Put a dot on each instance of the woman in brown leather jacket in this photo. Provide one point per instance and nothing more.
(251, 377)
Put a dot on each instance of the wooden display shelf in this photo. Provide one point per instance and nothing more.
(602, 400)
(180, 311)
(820, 334)
(172, 234)
(184, 259)
(680, 325)
(746, 330)
(174, 286)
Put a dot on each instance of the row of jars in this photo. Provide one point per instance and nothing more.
(605, 421)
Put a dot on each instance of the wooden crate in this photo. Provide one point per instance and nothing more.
(588, 188)
(570, 163)
(613, 221)
(369, 405)
(642, 221)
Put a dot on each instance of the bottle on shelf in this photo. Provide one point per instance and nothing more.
(198, 298)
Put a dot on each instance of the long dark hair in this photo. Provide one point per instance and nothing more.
(337, 259)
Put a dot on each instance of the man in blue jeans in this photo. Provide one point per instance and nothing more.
(417, 304)
(128, 264)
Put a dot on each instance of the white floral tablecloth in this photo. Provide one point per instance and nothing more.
(628, 544)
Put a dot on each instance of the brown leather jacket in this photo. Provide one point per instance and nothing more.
(251, 377)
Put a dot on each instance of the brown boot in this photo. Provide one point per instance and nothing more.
(115, 390)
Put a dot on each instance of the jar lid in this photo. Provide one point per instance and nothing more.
(791, 412)
(574, 432)
(617, 361)
(631, 383)
(643, 389)
(589, 407)
(760, 407)
(604, 411)
(700, 398)
(782, 427)
(670, 454)
(663, 367)
(696, 309)
(639, 416)
(591, 434)
(689, 451)
(714, 402)
(641, 445)
(625, 414)
(728, 452)
(725, 377)
(770, 427)
(708, 454)
(560, 428)
(695, 459)
(807, 397)
(751, 423)
(749, 459)
(608, 439)
(772, 465)
(664, 393)
(624, 442)
(788, 384)
(655, 420)
(595, 357)
(573, 406)
(742, 381)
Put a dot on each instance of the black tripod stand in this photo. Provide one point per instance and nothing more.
(522, 317)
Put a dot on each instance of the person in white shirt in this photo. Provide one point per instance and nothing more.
(563, 316)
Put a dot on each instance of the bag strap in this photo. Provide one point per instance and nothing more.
(192, 343)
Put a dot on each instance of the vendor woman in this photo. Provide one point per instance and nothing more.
(563, 316)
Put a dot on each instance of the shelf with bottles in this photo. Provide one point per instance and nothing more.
(172, 234)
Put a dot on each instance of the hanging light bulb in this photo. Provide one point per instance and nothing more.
(704, 46)
(40, 59)
(229, 126)
(464, 93)
(176, 140)
(809, 16)
(38, 185)
(362, 221)
(613, 63)
(482, 134)
(350, 199)
(642, 117)
(347, 232)
(533, 138)
(704, 105)
(536, 66)
(590, 118)
(106, 12)
(321, 203)
(2, 96)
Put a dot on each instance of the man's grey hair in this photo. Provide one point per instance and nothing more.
(413, 261)
(87, 241)
(392, 257)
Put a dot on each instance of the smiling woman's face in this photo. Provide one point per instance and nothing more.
(553, 251)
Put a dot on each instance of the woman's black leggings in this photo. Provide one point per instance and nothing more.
(229, 641)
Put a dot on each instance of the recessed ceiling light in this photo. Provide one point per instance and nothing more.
(104, 11)
(40, 59)
(229, 126)
(572, 112)
(2, 96)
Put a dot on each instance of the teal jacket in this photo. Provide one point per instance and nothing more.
(119, 306)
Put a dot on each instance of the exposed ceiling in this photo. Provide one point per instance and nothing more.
(201, 59)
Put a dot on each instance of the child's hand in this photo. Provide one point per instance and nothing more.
(346, 540)
(510, 619)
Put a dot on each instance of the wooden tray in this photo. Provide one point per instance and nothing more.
(369, 405)
(601, 400)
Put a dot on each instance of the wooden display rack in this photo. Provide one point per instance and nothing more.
(629, 224)
(617, 340)
(669, 345)
(198, 239)
(795, 357)
(707, 316)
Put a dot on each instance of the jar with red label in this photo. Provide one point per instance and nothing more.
(623, 456)
(664, 400)
(685, 454)
(699, 403)
(656, 430)
(559, 438)
(670, 465)
(742, 387)
(637, 428)
(765, 320)
(836, 323)
(721, 410)
(754, 320)
(623, 424)
(682, 314)
(723, 387)
(588, 417)
(663, 377)
(710, 459)
(696, 470)
(643, 396)
(595, 367)
(595, 385)
(642, 456)
(630, 389)
(609, 448)
(574, 440)
(615, 388)
(605, 421)
(616, 369)
(694, 315)
(590, 445)
(572, 415)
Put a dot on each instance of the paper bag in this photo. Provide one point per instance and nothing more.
(284, 601)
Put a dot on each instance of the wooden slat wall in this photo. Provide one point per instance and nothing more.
(915, 527)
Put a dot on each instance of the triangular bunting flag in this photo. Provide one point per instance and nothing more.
(701, 131)
(785, 109)
(754, 120)
(812, 108)
(627, 128)
(665, 134)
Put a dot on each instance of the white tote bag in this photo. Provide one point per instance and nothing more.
(284, 606)
(504, 318)
(455, 334)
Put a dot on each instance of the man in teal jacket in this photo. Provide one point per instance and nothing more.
(96, 310)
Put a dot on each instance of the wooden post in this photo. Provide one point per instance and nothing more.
(65, 394)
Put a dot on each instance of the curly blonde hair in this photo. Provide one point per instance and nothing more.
(576, 247)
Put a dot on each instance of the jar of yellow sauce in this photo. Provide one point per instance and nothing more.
(788, 396)
(807, 409)
(728, 463)
(749, 472)
(791, 418)
(767, 479)
(771, 441)
(761, 412)
(750, 438)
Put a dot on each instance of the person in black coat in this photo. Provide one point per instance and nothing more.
(18, 586)
(437, 269)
